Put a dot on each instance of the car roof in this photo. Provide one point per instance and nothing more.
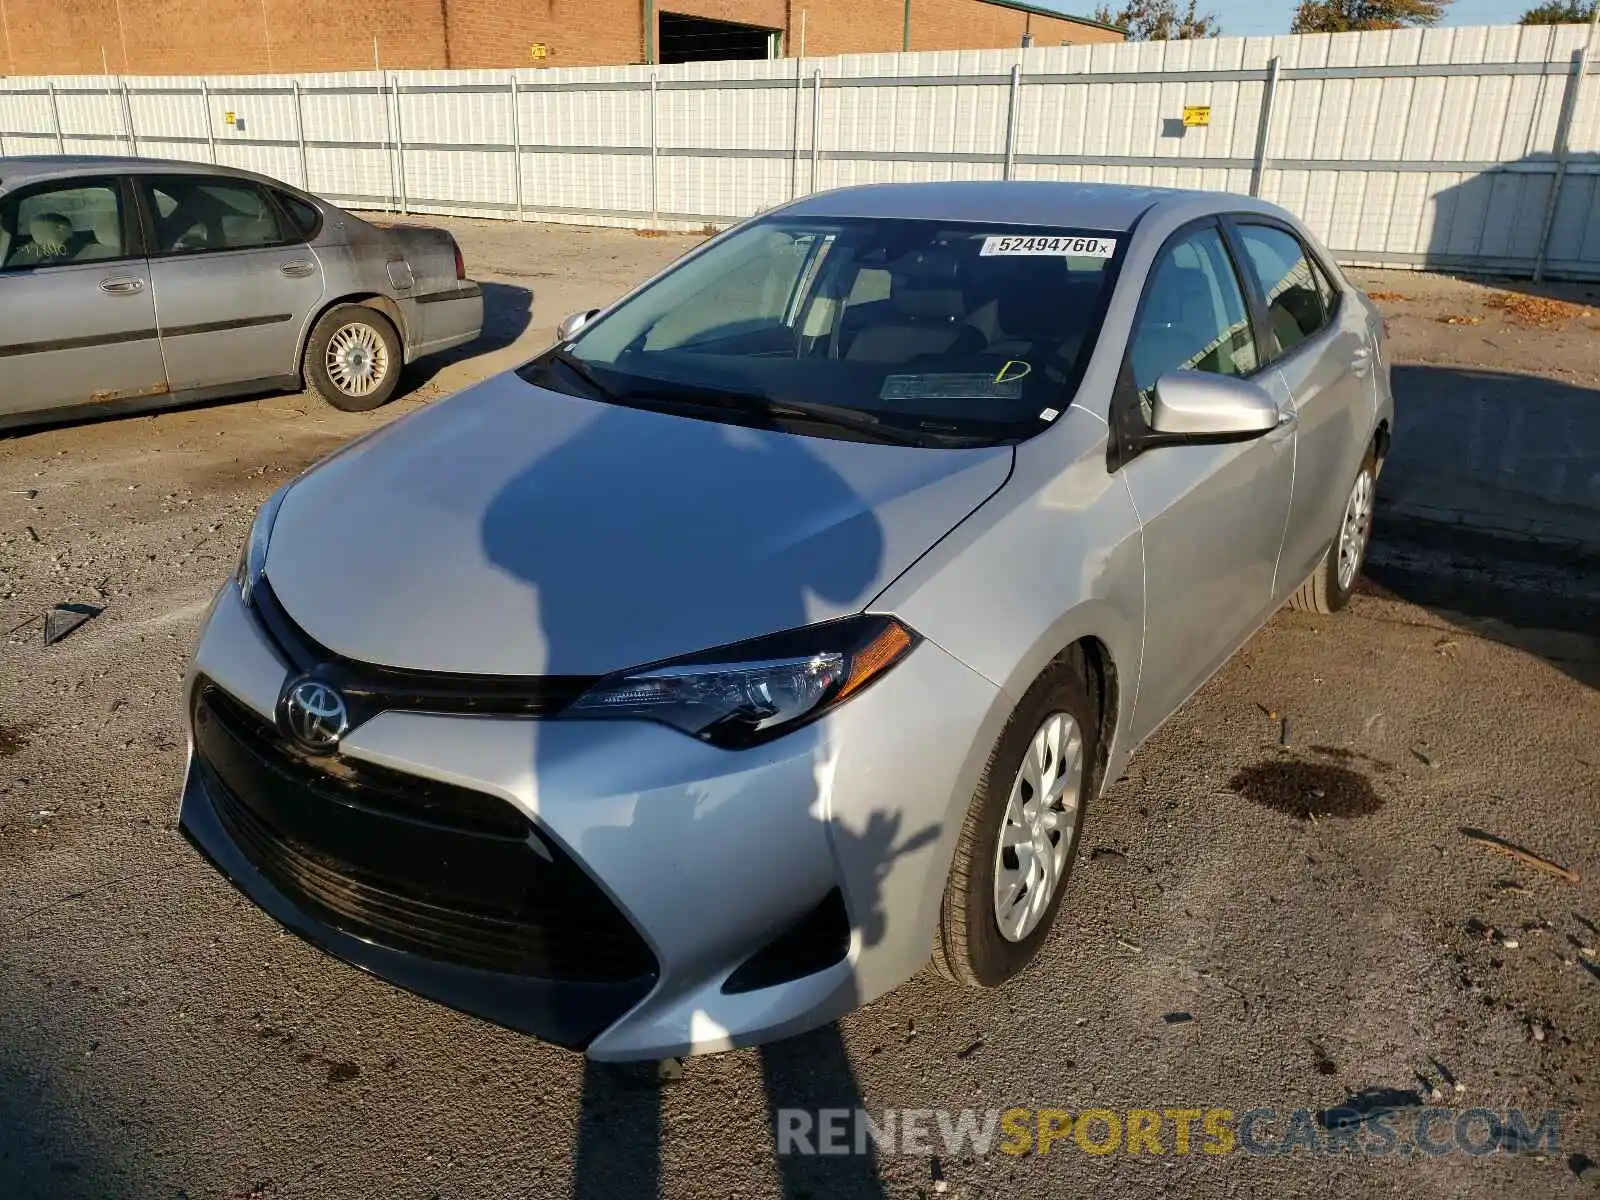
(1110, 207)
(36, 168)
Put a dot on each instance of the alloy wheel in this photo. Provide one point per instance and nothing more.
(357, 359)
(1037, 831)
(1355, 530)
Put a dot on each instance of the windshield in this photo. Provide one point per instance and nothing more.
(947, 332)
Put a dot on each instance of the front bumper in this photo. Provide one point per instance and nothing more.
(709, 855)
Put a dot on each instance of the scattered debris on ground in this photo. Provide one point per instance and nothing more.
(1386, 297)
(1528, 857)
(64, 618)
(1537, 311)
(1456, 319)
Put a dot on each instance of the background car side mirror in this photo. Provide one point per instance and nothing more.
(1198, 405)
(570, 326)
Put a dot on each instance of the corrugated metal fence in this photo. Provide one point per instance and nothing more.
(1466, 148)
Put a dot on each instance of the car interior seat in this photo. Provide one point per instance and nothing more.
(926, 316)
(52, 237)
(255, 227)
(106, 226)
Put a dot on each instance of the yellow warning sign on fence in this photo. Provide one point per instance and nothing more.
(1196, 114)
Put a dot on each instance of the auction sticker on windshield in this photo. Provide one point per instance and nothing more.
(1059, 247)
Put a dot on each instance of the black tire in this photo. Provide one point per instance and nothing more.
(316, 367)
(969, 947)
(1322, 592)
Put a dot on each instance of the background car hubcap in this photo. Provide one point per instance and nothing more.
(357, 360)
(1357, 524)
(1036, 833)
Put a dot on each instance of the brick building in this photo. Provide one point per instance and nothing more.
(153, 37)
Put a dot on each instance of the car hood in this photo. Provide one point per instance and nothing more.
(512, 530)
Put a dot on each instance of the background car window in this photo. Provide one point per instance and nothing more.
(1293, 299)
(303, 216)
(1193, 317)
(79, 222)
(197, 213)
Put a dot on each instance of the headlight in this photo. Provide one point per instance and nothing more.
(253, 558)
(749, 693)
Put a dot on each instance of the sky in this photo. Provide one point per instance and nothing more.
(1246, 17)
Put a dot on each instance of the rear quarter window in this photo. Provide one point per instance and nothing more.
(304, 218)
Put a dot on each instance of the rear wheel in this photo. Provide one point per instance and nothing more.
(1334, 581)
(353, 358)
(1021, 835)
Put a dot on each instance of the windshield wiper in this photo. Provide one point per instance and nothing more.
(840, 417)
(581, 369)
(835, 415)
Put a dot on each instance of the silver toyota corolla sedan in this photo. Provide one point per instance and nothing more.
(129, 284)
(777, 629)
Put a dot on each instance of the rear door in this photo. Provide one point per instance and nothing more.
(1319, 345)
(77, 323)
(234, 281)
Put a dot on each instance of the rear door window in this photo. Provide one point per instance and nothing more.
(200, 213)
(1295, 304)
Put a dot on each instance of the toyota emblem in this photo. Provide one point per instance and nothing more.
(315, 714)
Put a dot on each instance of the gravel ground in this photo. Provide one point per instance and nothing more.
(1312, 908)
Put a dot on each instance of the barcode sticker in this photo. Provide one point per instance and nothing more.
(1055, 247)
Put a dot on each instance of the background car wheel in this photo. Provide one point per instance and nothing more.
(353, 358)
(1334, 581)
(1021, 834)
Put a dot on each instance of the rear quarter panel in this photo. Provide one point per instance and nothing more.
(355, 259)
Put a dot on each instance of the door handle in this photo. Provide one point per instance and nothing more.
(1361, 361)
(1288, 420)
(122, 287)
(297, 268)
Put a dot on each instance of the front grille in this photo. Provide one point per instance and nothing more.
(370, 689)
(447, 873)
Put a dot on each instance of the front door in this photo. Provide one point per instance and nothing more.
(1212, 516)
(1319, 345)
(234, 284)
(77, 323)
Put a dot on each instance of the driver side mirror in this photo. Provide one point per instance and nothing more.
(1218, 408)
(574, 322)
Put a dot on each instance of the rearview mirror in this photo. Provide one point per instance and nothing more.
(1197, 405)
(570, 326)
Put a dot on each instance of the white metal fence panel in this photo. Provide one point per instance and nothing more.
(1470, 148)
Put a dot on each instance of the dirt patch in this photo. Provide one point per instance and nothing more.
(12, 740)
(1305, 790)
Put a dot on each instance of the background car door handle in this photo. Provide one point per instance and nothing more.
(297, 268)
(122, 287)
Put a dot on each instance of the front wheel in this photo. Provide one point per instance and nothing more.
(1021, 835)
(1334, 581)
(353, 358)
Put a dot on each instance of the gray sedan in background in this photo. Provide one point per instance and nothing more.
(777, 628)
(130, 284)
